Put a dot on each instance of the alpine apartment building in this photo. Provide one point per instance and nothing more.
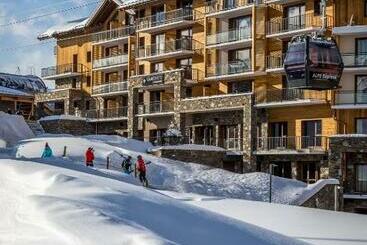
(214, 70)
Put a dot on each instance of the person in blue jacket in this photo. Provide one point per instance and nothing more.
(47, 152)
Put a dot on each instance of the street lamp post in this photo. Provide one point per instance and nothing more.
(271, 171)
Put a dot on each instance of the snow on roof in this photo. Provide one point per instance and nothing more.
(130, 3)
(350, 30)
(14, 92)
(73, 25)
(62, 117)
(21, 84)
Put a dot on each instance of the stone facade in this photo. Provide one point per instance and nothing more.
(73, 127)
(215, 103)
(216, 159)
(325, 199)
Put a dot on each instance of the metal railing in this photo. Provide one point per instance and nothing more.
(113, 34)
(350, 97)
(111, 61)
(286, 143)
(229, 69)
(223, 5)
(355, 60)
(155, 107)
(108, 113)
(285, 95)
(164, 18)
(182, 44)
(62, 69)
(110, 88)
(274, 62)
(229, 36)
(282, 25)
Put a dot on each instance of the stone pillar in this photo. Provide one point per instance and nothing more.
(248, 132)
(179, 93)
(132, 121)
(66, 107)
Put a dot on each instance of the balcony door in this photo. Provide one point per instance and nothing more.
(360, 58)
(278, 132)
(229, 4)
(311, 134)
(361, 178)
(361, 126)
(239, 61)
(158, 45)
(239, 28)
(184, 39)
(75, 63)
(158, 15)
(295, 17)
(361, 90)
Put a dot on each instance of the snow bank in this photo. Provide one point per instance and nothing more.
(57, 202)
(13, 128)
(62, 117)
(314, 226)
(121, 142)
(165, 173)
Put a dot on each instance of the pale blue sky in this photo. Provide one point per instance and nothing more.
(37, 56)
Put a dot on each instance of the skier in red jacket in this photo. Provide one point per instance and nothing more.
(141, 167)
(89, 157)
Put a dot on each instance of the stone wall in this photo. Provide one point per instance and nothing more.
(324, 199)
(116, 127)
(73, 127)
(355, 206)
(209, 158)
(215, 103)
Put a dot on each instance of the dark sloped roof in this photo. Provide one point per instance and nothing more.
(24, 83)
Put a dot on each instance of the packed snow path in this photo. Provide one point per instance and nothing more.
(167, 174)
(57, 202)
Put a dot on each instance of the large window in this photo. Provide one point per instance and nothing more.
(361, 178)
(296, 17)
(311, 134)
(361, 125)
(361, 90)
(240, 28)
(239, 60)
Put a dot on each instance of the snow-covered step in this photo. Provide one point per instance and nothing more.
(36, 127)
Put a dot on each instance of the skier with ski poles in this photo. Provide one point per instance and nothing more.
(126, 165)
(142, 169)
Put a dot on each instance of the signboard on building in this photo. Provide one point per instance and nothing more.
(153, 79)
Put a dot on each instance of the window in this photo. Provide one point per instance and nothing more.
(73, 84)
(361, 178)
(141, 69)
(126, 48)
(361, 125)
(89, 56)
(317, 7)
(157, 67)
(124, 75)
(141, 42)
(242, 26)
(188, 92)
(296, 17)
(365, 8)
(158, 44)
(361, 90)
(87, 105)
(88, 81)
(184, 63)
(311, 133)
(239, 87)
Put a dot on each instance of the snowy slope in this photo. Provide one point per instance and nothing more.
(58, 202)
(169, 174)
(13, 128)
